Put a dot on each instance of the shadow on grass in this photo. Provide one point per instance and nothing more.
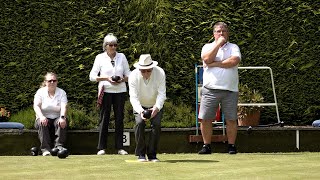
(278, 154)
(189, 161)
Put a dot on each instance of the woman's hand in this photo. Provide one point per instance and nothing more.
(43, 121)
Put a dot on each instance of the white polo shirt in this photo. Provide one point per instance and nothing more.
(102, 64)
(50, 107)
(222, 78)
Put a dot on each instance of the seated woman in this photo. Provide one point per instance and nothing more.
(50, 106)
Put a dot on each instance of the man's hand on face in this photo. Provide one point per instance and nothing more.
(221, 40)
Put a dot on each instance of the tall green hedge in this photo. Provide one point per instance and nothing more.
(65, 36)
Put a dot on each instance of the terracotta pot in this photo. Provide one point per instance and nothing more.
(252, 119)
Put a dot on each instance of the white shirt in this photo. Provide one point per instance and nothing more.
(222, 78)
(102, 64)
(147, 93)
(50, 107)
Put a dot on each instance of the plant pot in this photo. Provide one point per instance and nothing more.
(3, 119)
(252, 119)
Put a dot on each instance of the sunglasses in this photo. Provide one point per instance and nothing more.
(111, 45)
(145, 70)
(52, 81)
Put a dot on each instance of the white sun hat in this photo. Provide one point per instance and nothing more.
(145, 62)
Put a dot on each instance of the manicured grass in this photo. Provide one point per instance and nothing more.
(304, 165)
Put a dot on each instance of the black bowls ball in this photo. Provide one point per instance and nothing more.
(147, 113)
(115, 78)
(281, 124)
(63, 153)
(34, 151)
(54, 151)
(249, 130)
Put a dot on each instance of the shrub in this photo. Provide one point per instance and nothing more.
(247, 95)
(177, 116)
(26, 117)
(174, 116)
(78, 118)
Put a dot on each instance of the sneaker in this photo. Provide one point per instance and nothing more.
(206, 149)
(101, 152)
(122, 152)
(142, 158)
(46, 153)
(232, 149)
(153, 159)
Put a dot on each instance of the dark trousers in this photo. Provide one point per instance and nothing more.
(51, 135)
(117, 101)
(149, 148)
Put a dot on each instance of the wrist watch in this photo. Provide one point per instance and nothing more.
(62, 117)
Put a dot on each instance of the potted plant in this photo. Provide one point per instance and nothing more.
(4, 114)
(249, 115)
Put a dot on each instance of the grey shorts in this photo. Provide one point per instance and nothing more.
(210, 100)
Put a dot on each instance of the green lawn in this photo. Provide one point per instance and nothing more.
(172, 166)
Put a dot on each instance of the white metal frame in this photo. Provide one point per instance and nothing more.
(273, 89)
(239, 104)
(197, 103)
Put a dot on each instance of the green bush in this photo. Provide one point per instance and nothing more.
(180, 116)
(26, 117)
(78, 118)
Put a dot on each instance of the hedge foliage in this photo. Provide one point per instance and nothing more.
(180, 116)
(65, 36)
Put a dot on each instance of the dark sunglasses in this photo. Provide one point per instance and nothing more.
(111, 45)
(145, 70)
(52, 81)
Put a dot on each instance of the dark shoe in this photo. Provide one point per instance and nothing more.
(232, 149)
(142, 158)
(206, 149)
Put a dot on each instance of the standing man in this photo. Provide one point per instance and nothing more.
(220, 86)
(147, 90)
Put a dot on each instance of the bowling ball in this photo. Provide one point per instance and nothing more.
(249, 130)
(63, 153)
(281, 124)
(54, 151)
(147, 113)
(115, 78)
(34, 151)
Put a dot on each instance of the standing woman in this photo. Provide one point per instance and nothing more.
(111, 91)
(50, 106)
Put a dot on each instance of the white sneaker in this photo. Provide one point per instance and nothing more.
(46, 153)
(122, 152)
(142, 158)
(154, 160)
(101, 152)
